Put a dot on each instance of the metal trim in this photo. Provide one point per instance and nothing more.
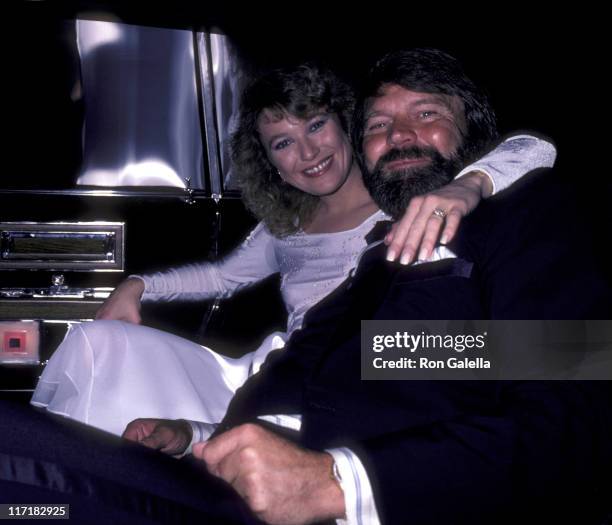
(177, 193)
(63, 262)
(202, 53)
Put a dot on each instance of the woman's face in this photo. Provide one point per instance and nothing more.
(313, 155)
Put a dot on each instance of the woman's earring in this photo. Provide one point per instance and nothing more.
(281, 177)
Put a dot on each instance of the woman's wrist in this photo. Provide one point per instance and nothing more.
(134, 285)
(480, 180)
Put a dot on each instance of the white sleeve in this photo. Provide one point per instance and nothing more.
(252, 261)
(358, 495)
(513, 158)
(200, 431)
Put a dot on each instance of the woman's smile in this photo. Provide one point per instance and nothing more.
(321, 168)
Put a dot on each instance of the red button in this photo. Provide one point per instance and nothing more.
(15, 342)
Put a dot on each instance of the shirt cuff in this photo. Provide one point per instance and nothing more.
(358, 495)
(291, 421)
(200, 432)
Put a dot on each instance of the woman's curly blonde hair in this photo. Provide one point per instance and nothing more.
(301, 91)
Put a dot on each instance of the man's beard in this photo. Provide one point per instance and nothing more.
(392, 190)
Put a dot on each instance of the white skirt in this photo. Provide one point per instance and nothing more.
(108, 373)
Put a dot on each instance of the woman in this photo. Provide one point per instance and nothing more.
(298, 176)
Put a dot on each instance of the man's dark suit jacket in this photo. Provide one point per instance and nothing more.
(449, 452)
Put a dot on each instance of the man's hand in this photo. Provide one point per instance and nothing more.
(166, 435)
(281, 482)
(124, 303)
(417, 232)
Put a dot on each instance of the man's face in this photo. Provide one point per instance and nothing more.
(410, 144)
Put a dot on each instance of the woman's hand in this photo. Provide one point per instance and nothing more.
(435, 215)
(124, 303)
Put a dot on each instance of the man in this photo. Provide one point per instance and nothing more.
(427, 452)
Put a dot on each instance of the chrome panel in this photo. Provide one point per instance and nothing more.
(229, 79)
(85, 246)
(141, 106)
(64, 292)
(208, 107)
(162, 194)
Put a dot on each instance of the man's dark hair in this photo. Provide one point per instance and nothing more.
(430, 71)
(301, 91)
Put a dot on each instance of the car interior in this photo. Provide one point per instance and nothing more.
(118, 122)
(120, 118)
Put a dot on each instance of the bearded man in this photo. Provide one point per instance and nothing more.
(432, 452)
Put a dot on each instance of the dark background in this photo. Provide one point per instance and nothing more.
(539, 67)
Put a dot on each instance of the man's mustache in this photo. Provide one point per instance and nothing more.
(411, 152)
